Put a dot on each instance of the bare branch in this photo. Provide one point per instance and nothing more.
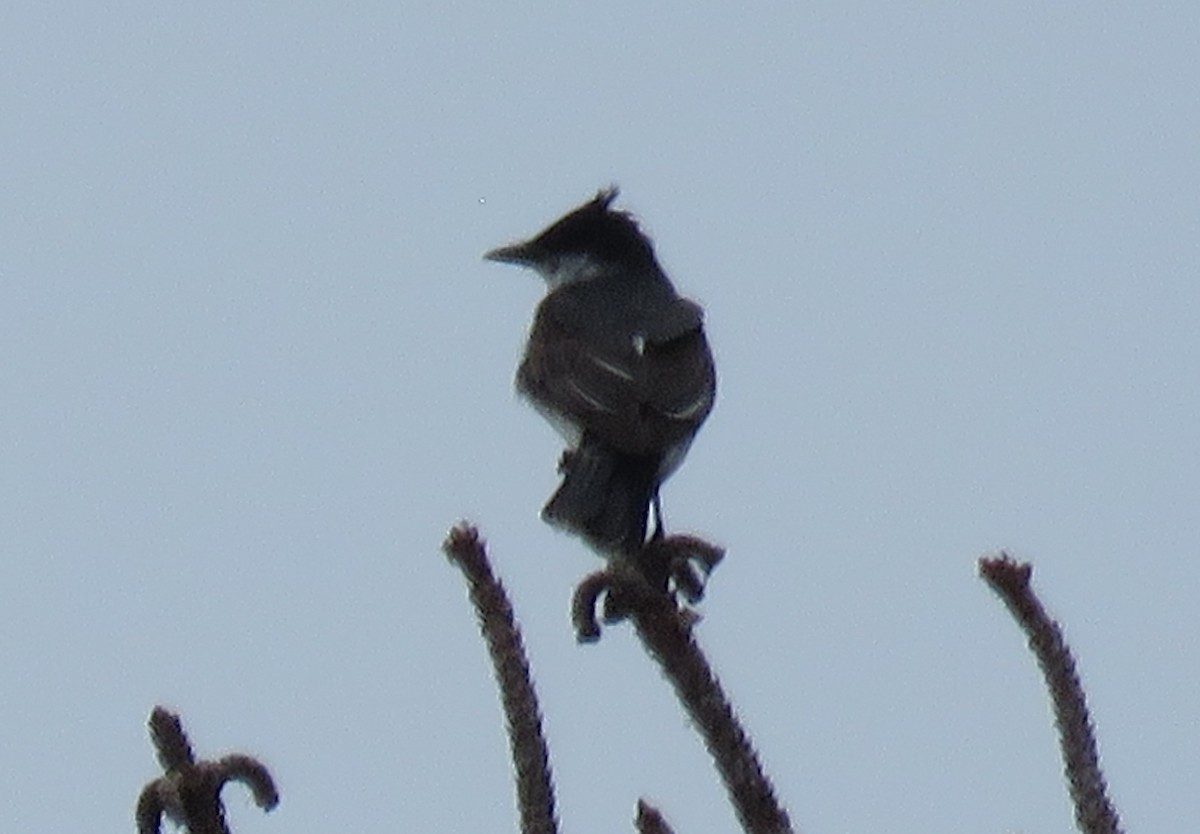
(251, 773)
(583, 606)
(1094, 813)
(531, 757)
(666, 633)
(649, 820)
(169, 739)
(189, 792)
(150, 808)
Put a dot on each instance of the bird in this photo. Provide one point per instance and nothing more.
(619, 363)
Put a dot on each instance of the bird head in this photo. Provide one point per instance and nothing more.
(587, 241)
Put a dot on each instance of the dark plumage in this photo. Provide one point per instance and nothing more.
(619, 362)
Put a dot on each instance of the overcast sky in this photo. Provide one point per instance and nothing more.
(254, 368)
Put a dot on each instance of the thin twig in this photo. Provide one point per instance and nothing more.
(1094, 813)
(531, 757)
(666, 634)
(189, 791)
(649, 820)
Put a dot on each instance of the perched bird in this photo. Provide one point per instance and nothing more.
(618, 362)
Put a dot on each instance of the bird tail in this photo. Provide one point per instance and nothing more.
(604, 497)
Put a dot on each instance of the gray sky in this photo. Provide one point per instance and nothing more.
(255, 368)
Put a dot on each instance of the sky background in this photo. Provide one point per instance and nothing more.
(254, 368)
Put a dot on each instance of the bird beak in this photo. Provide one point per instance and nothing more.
(517, 253)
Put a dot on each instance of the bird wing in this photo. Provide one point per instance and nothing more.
(641, 392)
